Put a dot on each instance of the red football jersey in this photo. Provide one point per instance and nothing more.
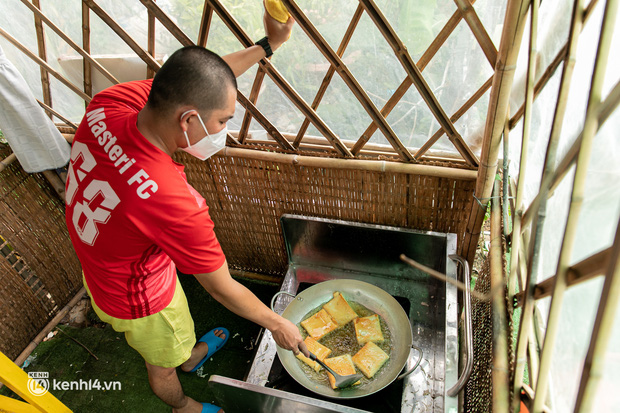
(130, 212)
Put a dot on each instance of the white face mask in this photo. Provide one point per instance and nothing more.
(207, 146)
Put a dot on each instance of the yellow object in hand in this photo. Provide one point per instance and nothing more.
(277, 10)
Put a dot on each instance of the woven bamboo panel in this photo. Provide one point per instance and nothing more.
(247, 197)
(38, 254)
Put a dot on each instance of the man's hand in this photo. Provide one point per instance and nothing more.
(277, 32)
(287, 335)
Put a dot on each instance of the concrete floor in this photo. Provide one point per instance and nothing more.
(65, 360)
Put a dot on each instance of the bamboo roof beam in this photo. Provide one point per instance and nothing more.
(167, 22)
(548, 73)
(143, 54)
(45, 77)
(264, 122)
(477, 28)
(39, 14)
(205, 24)
(277, 78)
(512, 33)
(88, 75)
(454, 118)
(428, 55)
(578, 273)
(330, 73)
(423, 88)
(44, 65)
(346, 75)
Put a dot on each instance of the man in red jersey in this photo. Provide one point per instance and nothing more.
(133, 218)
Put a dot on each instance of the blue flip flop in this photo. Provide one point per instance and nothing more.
(214, 342)
(210, 408)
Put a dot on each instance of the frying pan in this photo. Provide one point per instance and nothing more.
(376, 300)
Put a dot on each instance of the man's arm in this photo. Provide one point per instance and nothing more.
(277, 32)
(241, 301)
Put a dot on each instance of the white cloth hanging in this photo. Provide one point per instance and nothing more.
(31, 134)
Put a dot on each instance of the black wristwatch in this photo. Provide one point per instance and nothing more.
(264, 43)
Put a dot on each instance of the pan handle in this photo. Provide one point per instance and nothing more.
(408, 372)
(458, 386)
(273, 299)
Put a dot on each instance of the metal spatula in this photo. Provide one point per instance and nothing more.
(341, 381)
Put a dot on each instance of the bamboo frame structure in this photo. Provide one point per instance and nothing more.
(299, 152)
(496, 115)
(589, 130)
(602, 263)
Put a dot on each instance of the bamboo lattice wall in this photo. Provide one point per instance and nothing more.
(39, 274)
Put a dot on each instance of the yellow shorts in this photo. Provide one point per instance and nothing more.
(163, 339)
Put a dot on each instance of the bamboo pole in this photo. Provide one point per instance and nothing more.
(330, 72)
(548, 73)
(457, 115)
(477, 28)
(335, 163)
(538, 224)
(150, 73)
(143, 54)
(506, 180)
(45, 77)
(418, 80)
(605, 110)
(88, 75)
(501, 367)
(277, 78)
(167, 22)
(428, 55)
(264, 122)
(49, 327)
(205, 24)
(247, 117)
(512, 33)
(36, 10)
(57, 184)
(601, 333)
(58, 115)
(525, 139)
(578, 273)
(44, 65)
(350, 80)
(589, 130)
(7, 161)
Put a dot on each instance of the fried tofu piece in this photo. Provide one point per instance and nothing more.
(368, 329)
(370, 359)
(342, 365)
(319, 324)
(340, 309)
(316, 348)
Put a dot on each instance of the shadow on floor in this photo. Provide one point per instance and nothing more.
(121, 366)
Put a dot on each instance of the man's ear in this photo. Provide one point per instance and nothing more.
(184, 119)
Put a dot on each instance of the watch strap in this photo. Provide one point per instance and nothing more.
(264, 43)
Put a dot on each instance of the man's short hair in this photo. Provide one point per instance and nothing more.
(193, 76)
